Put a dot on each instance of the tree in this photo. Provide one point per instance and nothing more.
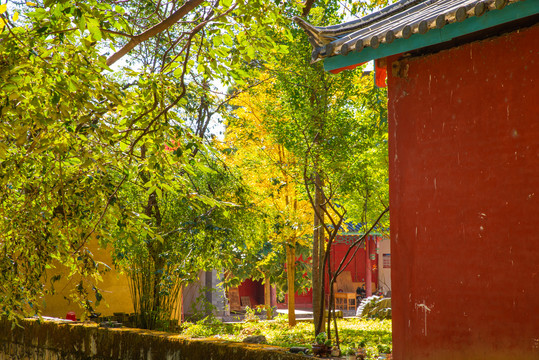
(276, 189)
(320, 119)
(74, 133)
(191, 228)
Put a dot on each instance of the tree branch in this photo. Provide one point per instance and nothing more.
(154, 30)
(308, 5)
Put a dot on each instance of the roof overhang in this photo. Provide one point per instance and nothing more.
(410, 25)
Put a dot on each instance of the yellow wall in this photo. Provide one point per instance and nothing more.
(114, 288)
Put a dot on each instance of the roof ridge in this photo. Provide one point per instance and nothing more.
(381, 14)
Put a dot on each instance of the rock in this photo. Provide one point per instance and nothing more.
(111, 324)
(335, 351)
(255, 339)
(297, 350)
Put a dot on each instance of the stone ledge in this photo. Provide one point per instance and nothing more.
(33, 339)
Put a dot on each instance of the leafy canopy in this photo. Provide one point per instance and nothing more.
(76, 136)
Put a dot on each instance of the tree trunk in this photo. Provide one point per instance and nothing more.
(368, 268)
(291, 274)
(180, 306)
(267, 297)
(318, 257)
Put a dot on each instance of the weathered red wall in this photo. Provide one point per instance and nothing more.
(464, 190)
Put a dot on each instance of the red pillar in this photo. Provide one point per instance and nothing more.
(368, 268)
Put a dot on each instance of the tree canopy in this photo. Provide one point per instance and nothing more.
(105, 116)
(76, 134)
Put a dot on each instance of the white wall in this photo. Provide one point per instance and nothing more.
(384, 274)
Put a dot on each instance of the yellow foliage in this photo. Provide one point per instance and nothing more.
(271, 171)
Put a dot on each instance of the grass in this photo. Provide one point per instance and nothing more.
(374, 333)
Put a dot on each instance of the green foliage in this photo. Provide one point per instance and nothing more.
(250, 315)
(83, 156)
(55, 187)
(336, 128)
(354, 333)
(201, 308)
(384, 349)
(338, 125)
(198, 227)
(120, 155)
(207, 327)
(321, 338)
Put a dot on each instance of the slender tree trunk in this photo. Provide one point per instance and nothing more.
(290, 196)
(180, 305)
(291, 274)
(368, 269)
(267, 297)
(318, 257)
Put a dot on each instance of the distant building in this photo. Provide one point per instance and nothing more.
(371, 263)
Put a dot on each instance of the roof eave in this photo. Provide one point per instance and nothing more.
(339, 54)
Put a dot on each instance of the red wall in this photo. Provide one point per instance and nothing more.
(254, 289)
(302, 300)
(357, 265)
(464, 190)
(356, 268)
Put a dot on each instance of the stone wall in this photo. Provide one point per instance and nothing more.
(51, 340)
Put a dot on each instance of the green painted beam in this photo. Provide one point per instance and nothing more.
(515, 11)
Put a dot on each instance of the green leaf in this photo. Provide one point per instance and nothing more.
(227, 39)
(82, 24)
(9, 87)
(93, 27)
(124, 146)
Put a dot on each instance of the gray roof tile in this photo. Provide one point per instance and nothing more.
(399, 20)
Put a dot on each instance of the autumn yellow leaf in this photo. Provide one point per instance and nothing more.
(15, 16)
(29, 3)
(3, 8)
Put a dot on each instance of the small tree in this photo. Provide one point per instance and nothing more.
(251, 148)
(335, 125)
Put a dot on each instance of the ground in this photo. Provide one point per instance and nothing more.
(352, 331)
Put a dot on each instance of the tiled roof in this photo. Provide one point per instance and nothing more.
(400, 20)
(351, 227)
